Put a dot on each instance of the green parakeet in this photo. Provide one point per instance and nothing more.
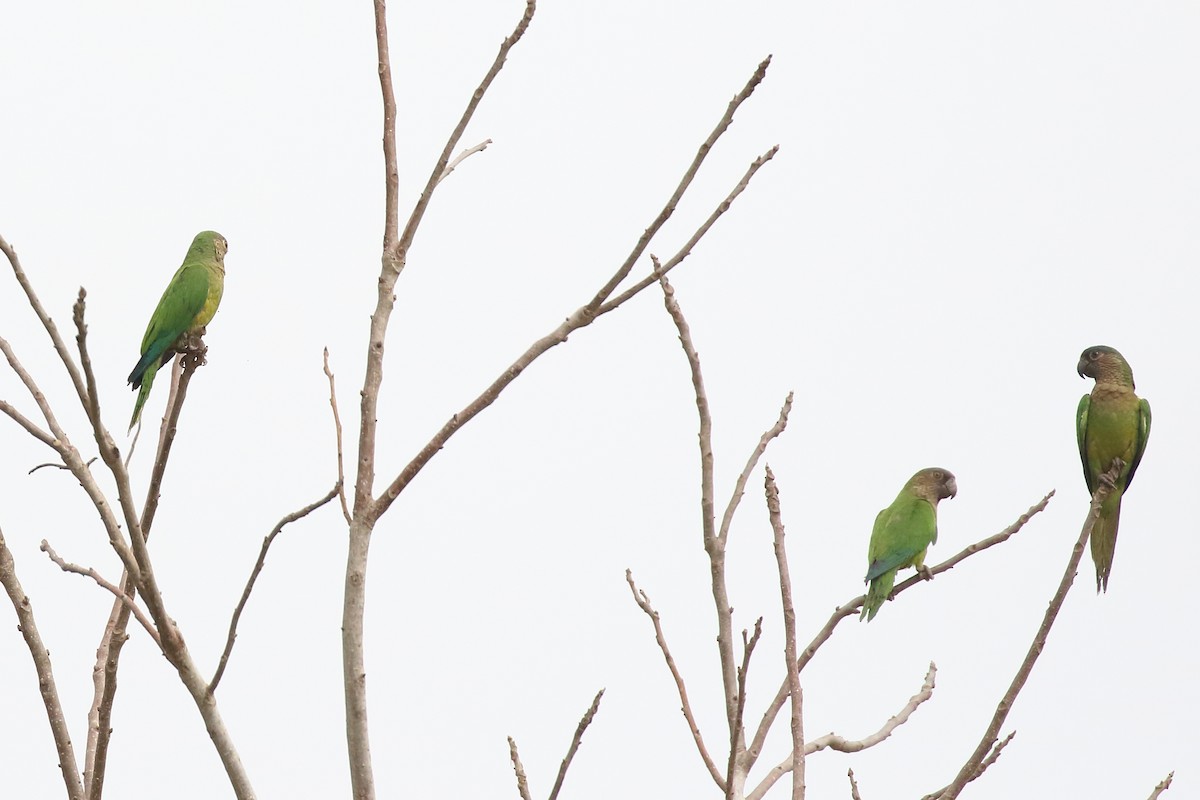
(903, 532)
(188, 304)
(1111, 422)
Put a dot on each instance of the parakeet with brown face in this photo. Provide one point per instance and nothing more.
(1112, 422)
(903, 532)
(188, 304)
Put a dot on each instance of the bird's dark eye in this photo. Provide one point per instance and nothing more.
(938, 475)
(1093, 355)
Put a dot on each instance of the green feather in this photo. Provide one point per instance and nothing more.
(1110, 423)
(188, 304)
(903, 532)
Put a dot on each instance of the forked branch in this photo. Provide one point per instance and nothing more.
(852, 606)
(832, 741)
(990, 736)
(41, 662)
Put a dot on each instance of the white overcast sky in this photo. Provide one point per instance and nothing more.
(966, 196)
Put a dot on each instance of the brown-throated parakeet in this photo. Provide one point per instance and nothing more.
(188, 304)
(903, 532)
(1112, 422)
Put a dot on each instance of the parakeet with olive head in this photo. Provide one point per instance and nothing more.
(186, 307)
(1112, 422)
(903, 532)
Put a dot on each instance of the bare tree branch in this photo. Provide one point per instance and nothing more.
(852, 606)
(854, 795)
(337, 428)
(832, 741)
(789, 633)
(643, 601)
(588, 716)
(112, 641)
(731, 781)
(519, 769)
(134, 555)
(704, 228)
(601, 301)
(41, 662)
(461, 157)
(396, 245)
(113, 589)
(393, 258)
(580, 318)
(739, 488)
(258, 567)
(92, 406)
(712, 545)
(1162, 786)
(1103, 487)
(24, 421)
(987, 762)
(57, 439)
(60, 346)
(140, 575)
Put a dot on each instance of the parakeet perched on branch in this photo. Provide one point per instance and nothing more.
(188, 304)
(1112, 422)
(903, 532)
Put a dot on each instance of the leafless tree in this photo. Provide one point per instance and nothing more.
(127, 524)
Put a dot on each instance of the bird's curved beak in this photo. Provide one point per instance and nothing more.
(1082, 368)
(951, 487)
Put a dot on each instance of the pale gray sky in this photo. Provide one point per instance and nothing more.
(966, 196)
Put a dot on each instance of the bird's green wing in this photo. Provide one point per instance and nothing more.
(177, 309)
(1081, 420)
(1143, 436)
(903, 531)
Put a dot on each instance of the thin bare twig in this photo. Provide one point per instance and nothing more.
(519, 769)
(89, 572)
(643, 601)
(789, 633)
(337, 429)
(1163, 785)
(852, 606)
(41, 662)
(601, 301)
(1103, 487)
(60, 346)
(30, 427)
(258, 567)
(832, 741)
(686, 250)
(854, 795)
(735, 736)
(987, 762)
(92, 406)
(52, 465)
(586, 720)
(739, 488)
(461, 157)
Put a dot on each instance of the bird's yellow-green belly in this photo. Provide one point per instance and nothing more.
(1112, 433)
(208, 310)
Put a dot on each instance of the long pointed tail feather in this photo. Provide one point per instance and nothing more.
(1104, 539)
(143, 393)
(880, 588)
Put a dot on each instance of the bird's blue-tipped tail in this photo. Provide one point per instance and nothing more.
(880, 588)
(143, 386)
